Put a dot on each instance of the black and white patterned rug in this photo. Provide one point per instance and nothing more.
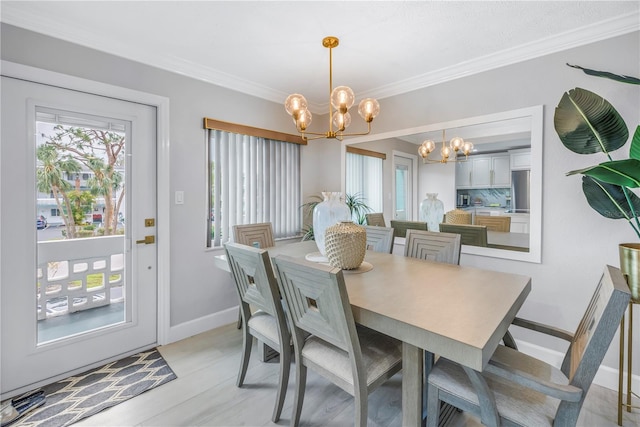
(81, 396)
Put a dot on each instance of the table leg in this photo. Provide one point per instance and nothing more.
(412, 374)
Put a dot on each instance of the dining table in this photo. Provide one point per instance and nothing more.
(452, 311)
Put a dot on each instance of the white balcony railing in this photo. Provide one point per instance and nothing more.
(80, 274)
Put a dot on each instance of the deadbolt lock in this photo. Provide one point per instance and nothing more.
(149, 222)
(147, 240)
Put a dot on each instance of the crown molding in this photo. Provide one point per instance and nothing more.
(617, 26)
(603, 30)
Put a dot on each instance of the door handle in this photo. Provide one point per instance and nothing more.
(147, 240)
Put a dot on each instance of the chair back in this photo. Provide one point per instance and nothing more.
(457, 216)
(475, 235)
(260, 235)
(495, 223)
(317, 302)
(254, 278)
(379, 239)
(594, 335)
(432, 246)
(376, 219)
(401, 227)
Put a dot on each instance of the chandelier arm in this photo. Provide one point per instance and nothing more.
(313, 133)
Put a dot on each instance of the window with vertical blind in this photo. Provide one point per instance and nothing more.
(251, 180)
(364, 177)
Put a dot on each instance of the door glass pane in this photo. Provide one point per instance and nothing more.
(80, 222)
(401, 192)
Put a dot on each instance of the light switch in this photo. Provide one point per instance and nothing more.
(179, 197)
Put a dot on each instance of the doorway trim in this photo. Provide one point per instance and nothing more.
(161, 103)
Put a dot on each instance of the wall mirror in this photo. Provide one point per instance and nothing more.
(498, 139)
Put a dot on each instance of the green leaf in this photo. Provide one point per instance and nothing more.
(608, 199)
(608, 75)
(587, 123)
(634, 150)
(619, 172)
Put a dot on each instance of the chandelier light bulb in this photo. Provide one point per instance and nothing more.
(304, 119)
(341, 121)
(294, 104)
(342, 98)
(368, 109)
(426, 147)
(467, 148)
(456, 143)
(445, 152)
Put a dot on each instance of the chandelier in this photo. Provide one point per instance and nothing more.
(341, 99)
(456, 144)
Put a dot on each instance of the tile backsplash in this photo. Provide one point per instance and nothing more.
(487, 196)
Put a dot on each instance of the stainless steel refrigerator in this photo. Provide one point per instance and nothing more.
(520, 190)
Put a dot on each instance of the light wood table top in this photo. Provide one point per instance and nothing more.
(457, 312)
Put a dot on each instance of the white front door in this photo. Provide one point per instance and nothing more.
(77, 288)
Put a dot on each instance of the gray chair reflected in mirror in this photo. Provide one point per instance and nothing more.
(519, 390)
(257, 235)
(257, 286)
(379, 239)
(474, 235)
(432, 246)
(376, 219)
(495, 223)
(401, 227)
(354, 358)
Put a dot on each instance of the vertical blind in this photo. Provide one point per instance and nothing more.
(364, 177)
(252, 180)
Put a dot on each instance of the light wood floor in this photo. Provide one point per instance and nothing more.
(205, 394)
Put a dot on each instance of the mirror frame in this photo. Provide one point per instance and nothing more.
(536, 114)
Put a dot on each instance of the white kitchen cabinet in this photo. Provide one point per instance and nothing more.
(463, 174)
(500, 171)
(485, 171)
(520, 159)
(481, 172)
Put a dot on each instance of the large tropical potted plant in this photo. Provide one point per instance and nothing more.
(587, 123)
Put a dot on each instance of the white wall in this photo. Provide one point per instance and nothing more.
(576, 241)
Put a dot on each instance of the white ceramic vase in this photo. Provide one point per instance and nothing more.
(327, 213)
(432, 211)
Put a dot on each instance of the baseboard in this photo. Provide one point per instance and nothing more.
(202, 324)
(606, 376)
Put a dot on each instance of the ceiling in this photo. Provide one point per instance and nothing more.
(271, 49)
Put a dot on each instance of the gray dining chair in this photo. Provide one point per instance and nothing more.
(379, 239)
(401, 227)
(519, 390)
(432, 246)
(258, 235)
(376, 219)
(355, 358)
(257, 285)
